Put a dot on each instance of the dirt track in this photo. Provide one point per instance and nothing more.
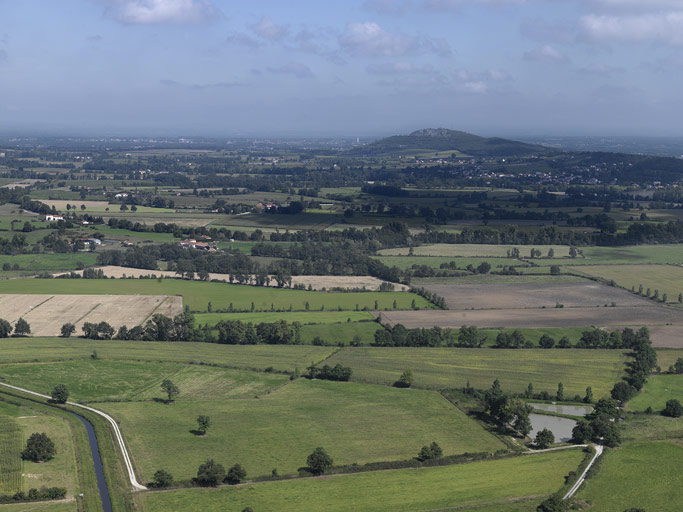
(47, 313)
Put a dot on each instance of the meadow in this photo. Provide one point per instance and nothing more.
(354, 422)
(657, 391)
(406, 262)
(665, 278)
(10, 454)
(260, 357)
(66, 261)
(667, 357)
(476, 250)
(341, 333)
(197, 294)
(92, 380)
(440, 368)
(307, 317)
(492, 483)
(640, 474)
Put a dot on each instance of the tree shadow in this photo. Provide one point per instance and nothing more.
(196, 432)
(162, 400)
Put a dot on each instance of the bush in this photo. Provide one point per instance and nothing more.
(673, 409)
(235, 475)
(210, 474)
(39, 448)
(405, 380)
(553, 504)
(60, 394)
(67, 330)
(162, 479)
(433, 451)
(319, 461)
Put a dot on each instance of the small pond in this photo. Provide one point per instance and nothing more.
(573, 410)
(560, 427)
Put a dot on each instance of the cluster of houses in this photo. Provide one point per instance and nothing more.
(204, 243)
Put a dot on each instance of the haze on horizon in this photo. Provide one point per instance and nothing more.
(353, 68)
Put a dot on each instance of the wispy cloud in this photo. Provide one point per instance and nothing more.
(266, 28)
(369, 39)
(159, 12)
(546, 53)
(214, 85)
(665, 27)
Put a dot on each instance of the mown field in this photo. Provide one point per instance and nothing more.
(665, 278)
(477, 250)
(354, 422)
(492, 483)
(406, 262)
(439, 368)
(92, 380)
(197, 295)
(657, 391)
(666, 357)
(281, 358)
(641, 474)
(68, 261)
(341, 333)
(10, 453)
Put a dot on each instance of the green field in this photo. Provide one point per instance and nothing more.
(657, 391)
(672, 254)
(68, 261)
(341, 333)
(355, 422)
(10, 453)
(406, 262)
(476, 250)
(198, 294)
(492, 483)
(304, 317)
(667, 357)
(646, 475)
(665, 278)
(440, 368)
(89, 380)
(281, 358)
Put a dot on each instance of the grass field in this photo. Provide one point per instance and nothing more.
(100, 206)
(67, 261)
(492, 483)
(197, 294)
(440, 368)
(476, 250)
(646, 475)
(666, 358)
(354, 422)
(672, 253)
(10, 453)
(665, 278)
(406, 262)
(89, 380)
(657, 391)
(307, 317)
(344, 332)
(281, 358)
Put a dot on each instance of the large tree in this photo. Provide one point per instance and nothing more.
(319, 461)
(60, 394)
(22, 327)
(39, 448)
(544, 438)
(210, 474)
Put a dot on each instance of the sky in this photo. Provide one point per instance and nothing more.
(340, 68)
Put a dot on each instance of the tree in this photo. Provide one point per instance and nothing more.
(673, 409)
(560, 392)
(678, 366)
(22, 327)
(484, 267)
(405, 380)
(203, 423)
(162, 479)
(60, 394)
(67, 330)
(5, 328)
(39, 448)
(553, 504)
(589, 395)
(235, 475)
(544, 438)
(582, 432)
(210, 474)
(622, 391)
(546, 341)
(319, 461)
(519, 413)
(170, 389)
(554, 270)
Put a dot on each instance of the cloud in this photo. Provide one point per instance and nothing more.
(600, 70)
(388, 6)
(665, 27)
(214, 85)
(160, 12)
(647, 5)
(399, 68)
(368, 39)
(242, 39)
(547, 54)
(452, 5)
(544, 31)
(296, 69)
(267, 29)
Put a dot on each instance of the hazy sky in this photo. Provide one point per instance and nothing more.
(352, 67)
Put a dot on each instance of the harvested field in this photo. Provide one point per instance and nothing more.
(549, 317)
(47, 313)
(316, 282)
(667, 336)
(535, 295)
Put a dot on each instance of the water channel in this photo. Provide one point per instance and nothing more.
(97, 461)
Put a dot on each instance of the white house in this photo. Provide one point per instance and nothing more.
(53, 218)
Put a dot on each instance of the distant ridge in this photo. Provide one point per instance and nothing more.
(443, 139)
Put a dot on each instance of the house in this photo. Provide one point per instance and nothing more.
(53, 218)
(191, 243)
(121, 195)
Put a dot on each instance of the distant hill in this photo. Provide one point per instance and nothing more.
(442, 139)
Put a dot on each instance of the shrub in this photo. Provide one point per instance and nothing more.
(673, 409)
(162, 479)
(210, 474)
(319, 461)
(235, 475)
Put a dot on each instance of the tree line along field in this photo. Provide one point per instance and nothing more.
(196, 295)
(494, 485)
(664, 278)
(476, 250)
(439, 368)
(305, 318)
